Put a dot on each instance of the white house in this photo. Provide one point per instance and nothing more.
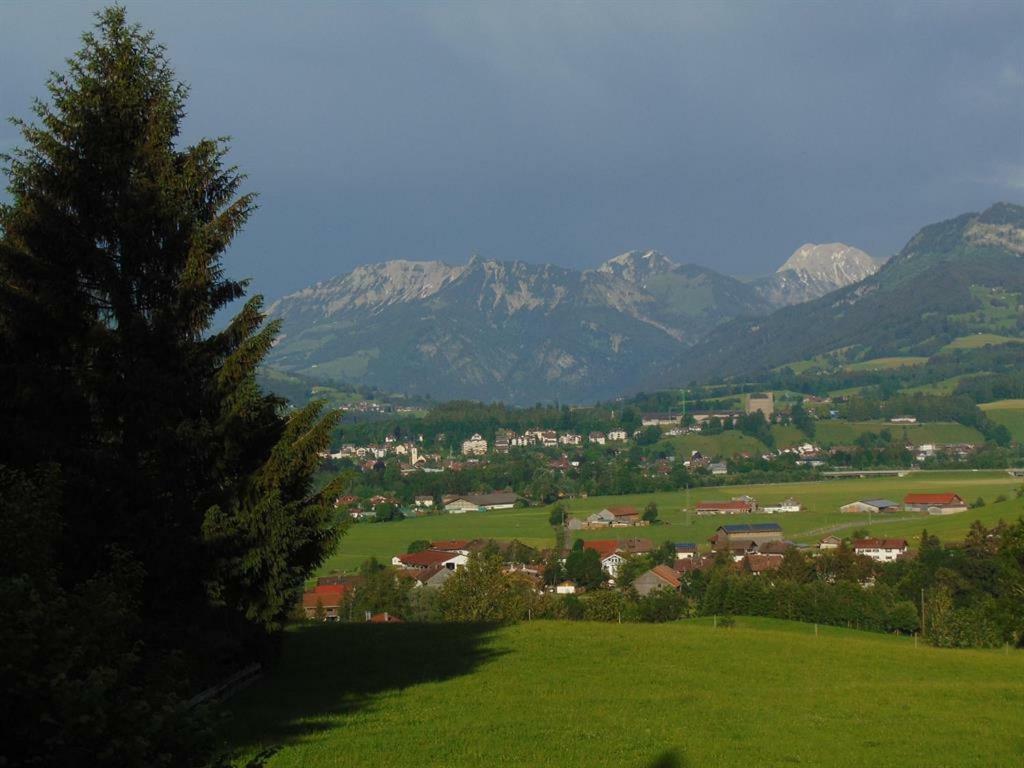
(597, 438)
(610, 564)
(566, 588)
(882, 550)
(617, 435)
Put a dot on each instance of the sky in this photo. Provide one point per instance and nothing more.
(724, 134)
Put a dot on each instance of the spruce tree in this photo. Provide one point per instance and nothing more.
(168, 461)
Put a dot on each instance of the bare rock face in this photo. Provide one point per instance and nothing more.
(814, 270)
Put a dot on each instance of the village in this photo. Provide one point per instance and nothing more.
(753, 548)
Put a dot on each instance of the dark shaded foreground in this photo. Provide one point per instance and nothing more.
(331, 670)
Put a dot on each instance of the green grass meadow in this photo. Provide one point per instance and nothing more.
(763, 693)
(1009, 413)
(820, 499)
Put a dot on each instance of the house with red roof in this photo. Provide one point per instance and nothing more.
(325, 598)
(882, 550)
(934, 503)
(430, 558)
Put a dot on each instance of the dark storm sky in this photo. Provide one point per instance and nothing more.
(724, 134)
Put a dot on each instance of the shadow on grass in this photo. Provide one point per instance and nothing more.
(671, 758)
(332, 670)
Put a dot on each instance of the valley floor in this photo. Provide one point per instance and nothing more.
(764, 692)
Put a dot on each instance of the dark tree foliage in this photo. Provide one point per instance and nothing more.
(178, 499)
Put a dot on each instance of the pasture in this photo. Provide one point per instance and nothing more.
(821, 501)
(764, 692)
(1009, 413)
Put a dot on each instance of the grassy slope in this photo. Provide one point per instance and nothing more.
(821, 501)
(885, 363)
(1009, 413)
(575, 694)
(977, 340)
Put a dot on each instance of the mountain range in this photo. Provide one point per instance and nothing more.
(520, 332)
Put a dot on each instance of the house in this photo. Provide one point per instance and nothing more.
(757, 563)
(685, 550)
(870, 506)
(474, 446)
(746, 536)
(455, 546)
(503, 441)
(608, 550)
(882, 550)
(574, 523)
(903, 420)
(829, 542)
(775, 547)
(659, 419)
(617, 435)
(934, 503)
(718, 468)
(424, 501)
(570, 438)
(691, 565)
(430, 558)
(474, 502)
(382, 618)
(597, 438)
(566, 588)
(787, 505)
(761, 401)
(327, 598)
(732, 507)
(431, 578)
(659, 577)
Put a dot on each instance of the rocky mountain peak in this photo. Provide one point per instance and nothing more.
(637, 266)
(838, 263)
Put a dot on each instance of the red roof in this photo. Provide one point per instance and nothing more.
(603, 547)
(327, 595)
(880, 544)
(330, 589)
(666, 574)
(450, 544)
(723, 505)
(623, 511)
(425, 559)
(932, 498)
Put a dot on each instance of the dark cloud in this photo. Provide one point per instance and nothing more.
(724, 134)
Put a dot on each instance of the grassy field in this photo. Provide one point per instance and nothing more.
(764, 693)
(977, 340)
(820, 499)
(839, 432)
(1009, 413)
(885, 363)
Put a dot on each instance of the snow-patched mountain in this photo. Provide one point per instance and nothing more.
(504, 330)
(814, 270)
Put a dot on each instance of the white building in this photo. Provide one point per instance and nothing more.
(617, 435)
(882, 550)
(474, 446)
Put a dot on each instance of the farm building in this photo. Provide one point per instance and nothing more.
(659, 577)
(882, 550)
(732, 507)
(870, 506)
(745, 536)
(830, 542)
(685, 550)
(474, 502)
(615, 516)
(786, 505)
(430, 558)
(756, 563)
(934, 503)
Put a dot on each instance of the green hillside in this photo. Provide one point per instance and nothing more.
(953, 279)
(1009, 413)
(763, 692)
